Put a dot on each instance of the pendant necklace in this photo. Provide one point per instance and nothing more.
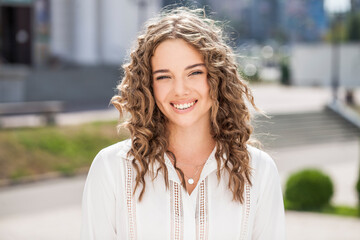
(191, 180)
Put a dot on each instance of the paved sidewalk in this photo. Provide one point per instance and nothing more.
(42, 211)
(311, 226)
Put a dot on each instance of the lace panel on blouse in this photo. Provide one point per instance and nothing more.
(130, 201)
(202, 211)
(246, 213)
(177, 214)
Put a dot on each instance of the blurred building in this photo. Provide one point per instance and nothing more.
(233, 9)
(355, 5)
(304, 20)
(284, 20)
(24, 30)
(265, 16)
(39, 32)
(42, 32)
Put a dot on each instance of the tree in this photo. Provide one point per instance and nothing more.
(353, 27)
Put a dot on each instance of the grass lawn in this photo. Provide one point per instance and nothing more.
(65, 149)
(340, 210)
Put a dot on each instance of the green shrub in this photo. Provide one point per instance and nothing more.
(285, 73)
(309, 189)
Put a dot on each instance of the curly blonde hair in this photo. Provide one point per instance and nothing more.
(230, 117)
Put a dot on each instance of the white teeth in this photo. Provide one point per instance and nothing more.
(184, 106)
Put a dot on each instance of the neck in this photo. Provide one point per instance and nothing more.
(191, 144)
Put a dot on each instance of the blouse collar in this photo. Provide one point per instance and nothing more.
(210, 166)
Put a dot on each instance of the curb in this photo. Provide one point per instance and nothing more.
(41, 177)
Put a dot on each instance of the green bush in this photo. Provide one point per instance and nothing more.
(309, 189)
(285, 72)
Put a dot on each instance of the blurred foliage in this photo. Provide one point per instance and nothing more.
(353, 27)
(308, 189)
(341, 210)
(345, 29)
(285, 72)
(338, 33)
(32, 151)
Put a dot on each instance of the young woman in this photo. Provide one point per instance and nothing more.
(188, 171)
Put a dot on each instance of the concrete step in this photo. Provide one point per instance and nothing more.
(303, 128)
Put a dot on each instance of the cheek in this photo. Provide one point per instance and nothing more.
(159, 93)
(207, 93)
(205, 87)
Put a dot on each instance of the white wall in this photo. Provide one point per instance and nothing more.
(85, 34)
(311, 65)
(120, 27)
(96, 31)
(350, 65)
(61, 14)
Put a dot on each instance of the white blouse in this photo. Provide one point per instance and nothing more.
(110, 211)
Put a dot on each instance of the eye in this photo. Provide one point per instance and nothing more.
(196, 73)
(162, 77)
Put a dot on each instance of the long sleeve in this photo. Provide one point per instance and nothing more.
(98, 206)
(269, 221)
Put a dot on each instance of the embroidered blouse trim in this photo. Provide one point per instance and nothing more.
(246, 213)
(177, 214)
(202, 211)
(130, 201)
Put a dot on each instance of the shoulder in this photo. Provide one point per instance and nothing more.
(259, 158)
(116, 151)
(111, 157)
(262, 164)
(108, 164)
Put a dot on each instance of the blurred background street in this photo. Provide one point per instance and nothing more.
(60, 62)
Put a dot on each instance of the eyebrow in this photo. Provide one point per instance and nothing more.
(188, 67)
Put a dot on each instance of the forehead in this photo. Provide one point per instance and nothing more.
(175, 53)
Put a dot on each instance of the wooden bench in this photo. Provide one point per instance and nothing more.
(46, 108)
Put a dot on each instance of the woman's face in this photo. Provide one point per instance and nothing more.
(180, 85)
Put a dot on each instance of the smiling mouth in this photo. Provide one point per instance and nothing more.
(184, 106)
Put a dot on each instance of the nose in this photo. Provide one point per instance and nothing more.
(181, 87)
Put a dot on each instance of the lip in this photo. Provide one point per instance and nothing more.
(183, 102)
